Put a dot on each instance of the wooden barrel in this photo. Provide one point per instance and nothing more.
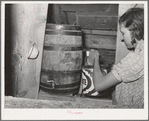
(62, 59)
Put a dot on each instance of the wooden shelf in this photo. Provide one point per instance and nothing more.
(99, 32)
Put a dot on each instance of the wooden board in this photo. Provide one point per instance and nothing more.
(91, 8)
(94, 21)
(66, 13)
(28, 27)
(99, 41)
(100, 32)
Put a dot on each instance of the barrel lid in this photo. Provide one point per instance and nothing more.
(63, 26)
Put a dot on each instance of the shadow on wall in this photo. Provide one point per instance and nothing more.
(8, 48)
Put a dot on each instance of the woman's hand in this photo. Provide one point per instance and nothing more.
(93, 55)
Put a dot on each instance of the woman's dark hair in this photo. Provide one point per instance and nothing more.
(133, 19)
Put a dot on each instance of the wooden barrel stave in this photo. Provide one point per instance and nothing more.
(61, 39)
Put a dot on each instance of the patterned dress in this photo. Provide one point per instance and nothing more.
(130, 72)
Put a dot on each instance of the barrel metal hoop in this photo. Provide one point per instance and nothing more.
(62, 27)
(60, 72)
(46, 85)
(62, 48)
(49, 90)
(63, 33)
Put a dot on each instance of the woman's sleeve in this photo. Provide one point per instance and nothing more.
(130, 68)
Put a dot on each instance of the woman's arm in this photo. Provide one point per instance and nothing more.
(101, 82)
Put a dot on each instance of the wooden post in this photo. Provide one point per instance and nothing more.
(28, 22)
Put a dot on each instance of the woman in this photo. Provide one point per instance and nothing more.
(128, 74)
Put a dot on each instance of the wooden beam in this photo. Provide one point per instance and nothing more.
(28, 23)
(99, 32)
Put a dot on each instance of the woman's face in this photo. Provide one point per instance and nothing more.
(126, 36)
